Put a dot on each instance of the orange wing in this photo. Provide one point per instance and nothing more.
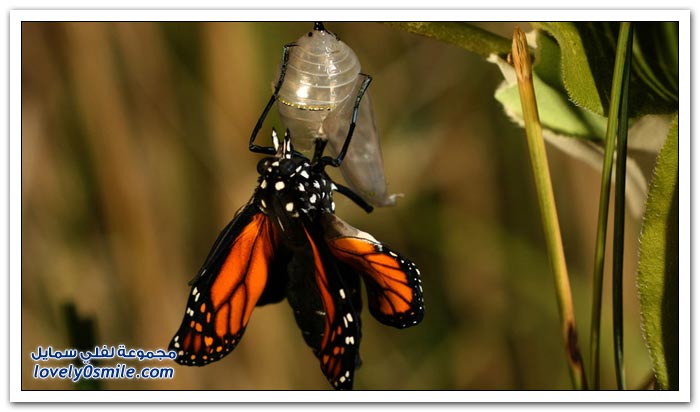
(341, 337)
(394, 291)
(226, 290)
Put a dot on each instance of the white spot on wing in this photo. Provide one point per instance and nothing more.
(289, 207)
(279, 185)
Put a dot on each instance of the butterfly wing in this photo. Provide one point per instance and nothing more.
(277, 280)
(394, 291)
(339, 347)
(304, 297)
(226, 289)
(351, 280)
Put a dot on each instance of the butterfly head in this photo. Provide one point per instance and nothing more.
(289, 183)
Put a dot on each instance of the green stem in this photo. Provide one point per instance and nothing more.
(599, 258)
(464, 35)
(624, 42)
(548, 209)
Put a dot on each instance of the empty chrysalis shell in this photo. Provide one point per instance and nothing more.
(316, 101)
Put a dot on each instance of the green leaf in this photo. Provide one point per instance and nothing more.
(579, 133)
(557, 113)
(464, 35)
(587, 51)
(548, 61)
(577, 66)
(657, 277)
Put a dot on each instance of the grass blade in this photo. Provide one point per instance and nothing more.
(625, 43)
(599, 258)
(545, 195)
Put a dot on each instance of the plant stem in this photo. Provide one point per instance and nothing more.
(464, 35)
(603, 204)
(545, 195)
(625, 43)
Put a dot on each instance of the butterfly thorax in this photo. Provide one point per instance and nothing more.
(290, 187)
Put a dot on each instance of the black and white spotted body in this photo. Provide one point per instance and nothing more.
(291, 186)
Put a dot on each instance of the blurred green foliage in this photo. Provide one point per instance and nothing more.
(134, 156)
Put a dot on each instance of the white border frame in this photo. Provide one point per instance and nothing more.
(15, 197)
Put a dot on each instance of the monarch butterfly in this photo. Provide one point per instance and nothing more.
(288, 242)
(321, 94)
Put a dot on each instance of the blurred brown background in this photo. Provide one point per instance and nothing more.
(134, 157)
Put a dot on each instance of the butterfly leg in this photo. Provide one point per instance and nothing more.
(354, 197)
(283, 70)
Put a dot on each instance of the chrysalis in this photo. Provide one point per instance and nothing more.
(321, 94)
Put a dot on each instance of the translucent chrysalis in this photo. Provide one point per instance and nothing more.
(321, 94)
